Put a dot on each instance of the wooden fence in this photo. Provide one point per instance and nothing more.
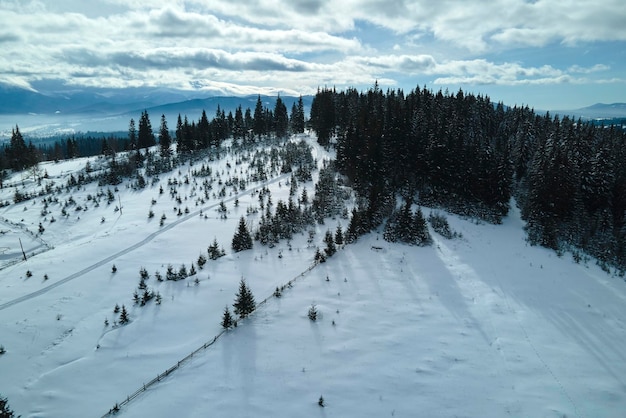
(185, 359)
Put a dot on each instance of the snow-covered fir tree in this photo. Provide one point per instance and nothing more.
(244, 300)
(242, 239)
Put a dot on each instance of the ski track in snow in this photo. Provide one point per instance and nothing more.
(133, 247)
(467, 278)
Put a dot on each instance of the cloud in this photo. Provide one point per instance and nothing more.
(588, 70)
(298, 45)
(409, 64)
(181, 58)
(477, 71)
(6, 37)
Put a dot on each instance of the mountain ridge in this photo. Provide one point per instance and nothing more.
(109, 110)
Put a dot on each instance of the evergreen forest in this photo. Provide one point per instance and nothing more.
(471, 156)
(459, 152)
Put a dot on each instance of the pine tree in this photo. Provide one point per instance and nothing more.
(227, 319)
(242, 239)
(132, 134)
(421, 236)
(182, 272)
(214, 250)
(258, 126)
(248, 123)
(146, 296)
(201, 261)
(143, 273)
(355, 227)
(323, 115)
(319, 256)
(297, 117)
(327, 200)
(170, 274)
(165, 140)
(184, 136)
(5, 410)
(330, 244)
(244, 302)
(145, 137)
(281, 120)
(339, 235)
(239, 127)
(17, 151)
(124, 319)
(204, 129)
(399, 227)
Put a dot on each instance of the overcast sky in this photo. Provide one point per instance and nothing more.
(549, 54)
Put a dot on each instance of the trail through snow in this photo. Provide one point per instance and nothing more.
(129, 249)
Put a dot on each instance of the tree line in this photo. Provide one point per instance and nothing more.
(469, 155)
(244, 125)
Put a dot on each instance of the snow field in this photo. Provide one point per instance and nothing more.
(484, 325)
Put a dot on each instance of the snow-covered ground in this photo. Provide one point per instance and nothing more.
(479, 326)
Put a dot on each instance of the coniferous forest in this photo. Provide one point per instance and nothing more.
(471, 156)
(460, 152)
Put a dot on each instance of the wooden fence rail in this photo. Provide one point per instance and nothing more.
(181, 362)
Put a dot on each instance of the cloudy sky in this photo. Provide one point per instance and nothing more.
(549, 54)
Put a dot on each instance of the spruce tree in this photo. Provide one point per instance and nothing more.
(248, 122)
(258, 126)
(239, 127)
(227, 319)
(132, 134)
(124, 319)
(170, 274)
(17, 150)
(214, 250)
(184, 136)
(244, 302)
(204, 128)
(201, 261)
(145, 137)
(323, 115)
(339, 235)
(330, 244)
(242, 239)
(165, 140)
(182, 272)
(297, 117)
(5, 410)
(281, 120)
(421, 236)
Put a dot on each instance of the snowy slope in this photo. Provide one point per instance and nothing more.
(481, 326)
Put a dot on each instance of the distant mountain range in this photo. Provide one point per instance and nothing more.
(597, 111)
(16, 101)
(107, 110)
